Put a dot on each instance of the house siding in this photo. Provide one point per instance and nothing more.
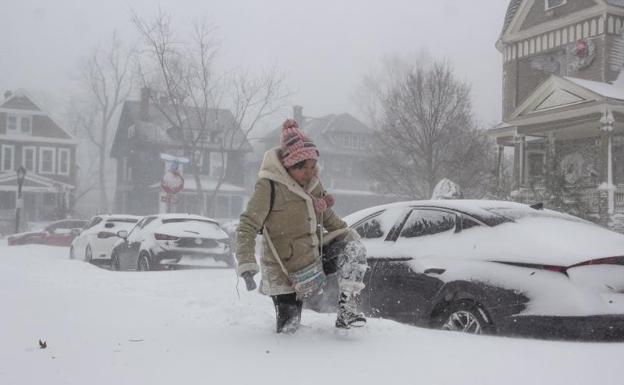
(44, 126)
(18, 158)
(20, 103)
(538, 14)
(521, 76)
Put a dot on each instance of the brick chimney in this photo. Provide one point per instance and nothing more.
(298, 115)
(145, 102)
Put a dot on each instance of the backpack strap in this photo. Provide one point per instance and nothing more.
(271, 202)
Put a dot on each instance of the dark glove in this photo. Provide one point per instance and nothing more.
(249, 281)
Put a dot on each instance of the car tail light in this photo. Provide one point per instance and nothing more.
(556, 269)
(105, 234)
(602, 261)
(165, 237)
(553, 268)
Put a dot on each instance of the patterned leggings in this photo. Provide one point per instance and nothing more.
(346, 257)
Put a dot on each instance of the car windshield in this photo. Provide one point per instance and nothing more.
(516, 214)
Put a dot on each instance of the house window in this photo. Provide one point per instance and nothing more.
(550, 4)
(26, 125)
(126, 169)
(63, 161)
(7, 157)
(28, 158)
(11, 124)
(19, 124)
(46, 160)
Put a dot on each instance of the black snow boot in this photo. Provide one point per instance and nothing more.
(348, 316)
(288, 313)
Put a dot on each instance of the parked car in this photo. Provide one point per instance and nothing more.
(99, 235)
(59, 233)
(166, 240)
(490, 267)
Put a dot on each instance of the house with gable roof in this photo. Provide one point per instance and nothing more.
(30, 137)
(345, 144)
(144, 133)
(563, 99)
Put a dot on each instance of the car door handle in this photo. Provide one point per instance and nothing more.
(435, 271)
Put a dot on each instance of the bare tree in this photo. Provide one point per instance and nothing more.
(106, 83)
(81, 118)
(426, 130)
(208, 110)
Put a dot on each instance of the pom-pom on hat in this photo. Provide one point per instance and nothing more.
(296, 145)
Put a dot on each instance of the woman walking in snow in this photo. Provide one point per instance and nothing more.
(291, 210)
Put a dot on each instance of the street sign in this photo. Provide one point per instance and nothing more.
(172, 182)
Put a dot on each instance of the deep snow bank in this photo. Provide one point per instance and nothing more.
(191, 327)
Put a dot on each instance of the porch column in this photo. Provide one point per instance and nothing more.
(550, 154)
(519, 167)
(607, 188)
(500, 155)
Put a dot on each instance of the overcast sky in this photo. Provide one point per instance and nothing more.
(324, 46)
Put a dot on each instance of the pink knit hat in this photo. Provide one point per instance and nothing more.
(296, 145)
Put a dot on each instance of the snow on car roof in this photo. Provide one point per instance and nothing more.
(184, 216)
(470, 206)
(123, 218)
(120, 216)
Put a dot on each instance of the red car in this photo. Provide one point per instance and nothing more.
(60, 233)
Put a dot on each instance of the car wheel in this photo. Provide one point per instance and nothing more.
(144, 263)
(88, 255)
(115, 266)
(72, 253)
(466, 317)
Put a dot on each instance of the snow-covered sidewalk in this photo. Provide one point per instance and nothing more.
(191, 327)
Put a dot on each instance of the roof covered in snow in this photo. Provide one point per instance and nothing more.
(611, 91)
(325, 132)
(512, 8)
(155, 128)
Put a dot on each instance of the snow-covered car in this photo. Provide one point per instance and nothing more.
(59, 233)
(490, 267)
(163, 241)
(97, 238)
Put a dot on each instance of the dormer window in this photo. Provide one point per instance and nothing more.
(353, 141)
(19, 125)
(550, 4)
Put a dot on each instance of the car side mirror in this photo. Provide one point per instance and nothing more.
(122, 234)
(75, 232)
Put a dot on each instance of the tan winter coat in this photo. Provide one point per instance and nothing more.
(291, 226)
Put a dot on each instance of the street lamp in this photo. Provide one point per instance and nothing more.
(21, 174)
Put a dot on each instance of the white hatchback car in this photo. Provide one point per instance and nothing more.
(98, 237)
(164, 241)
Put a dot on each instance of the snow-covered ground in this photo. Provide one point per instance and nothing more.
(192, 327)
